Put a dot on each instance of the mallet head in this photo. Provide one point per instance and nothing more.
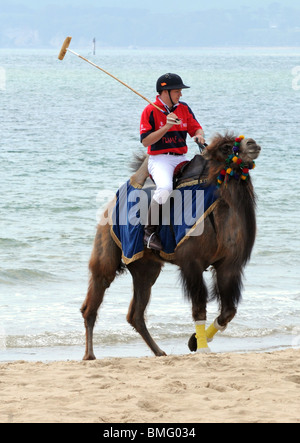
(64, 48)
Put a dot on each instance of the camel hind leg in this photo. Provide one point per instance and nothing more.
(144, 273)
(104, 265)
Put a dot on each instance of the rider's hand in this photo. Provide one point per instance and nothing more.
(199, 138)
(172, 119)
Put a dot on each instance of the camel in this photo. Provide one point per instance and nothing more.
(225, 245)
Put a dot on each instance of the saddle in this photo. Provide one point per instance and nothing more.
(194, 170)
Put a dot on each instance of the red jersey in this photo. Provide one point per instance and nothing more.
(175, 139)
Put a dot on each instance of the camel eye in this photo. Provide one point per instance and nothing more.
(225, 149)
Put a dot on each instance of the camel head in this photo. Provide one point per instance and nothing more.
(249, 149)
(234, 155)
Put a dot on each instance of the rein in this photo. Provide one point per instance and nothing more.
(233, 159)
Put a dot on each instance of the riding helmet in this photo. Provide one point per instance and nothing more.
(170, 81)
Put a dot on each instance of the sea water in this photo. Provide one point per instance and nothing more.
(68, 134)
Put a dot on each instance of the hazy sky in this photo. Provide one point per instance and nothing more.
(178, 4)
(156, 5)
(43, 23)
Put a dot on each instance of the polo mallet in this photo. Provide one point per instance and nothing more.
(65, 48)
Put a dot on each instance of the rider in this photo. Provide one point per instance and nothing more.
(165, 133)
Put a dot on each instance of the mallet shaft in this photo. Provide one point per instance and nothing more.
(115, 78)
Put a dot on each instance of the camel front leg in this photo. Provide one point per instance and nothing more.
(228, 286)
(196, 291)
(199, 315)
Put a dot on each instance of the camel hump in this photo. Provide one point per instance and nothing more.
(140, 165)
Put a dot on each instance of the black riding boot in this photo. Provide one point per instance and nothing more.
(151, 238)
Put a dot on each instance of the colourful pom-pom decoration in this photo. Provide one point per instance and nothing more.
(240, 138)
(231, 164)
(221, 177)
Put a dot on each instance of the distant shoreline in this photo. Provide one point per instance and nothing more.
(154, 48)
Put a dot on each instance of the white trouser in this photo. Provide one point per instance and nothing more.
(162, 167)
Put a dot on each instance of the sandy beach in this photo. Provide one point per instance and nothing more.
(251, 387)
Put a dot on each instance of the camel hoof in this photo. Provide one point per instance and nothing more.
(88, 357)
(160, 353)
(192, 344)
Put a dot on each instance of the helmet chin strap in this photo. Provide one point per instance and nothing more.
(173, 104)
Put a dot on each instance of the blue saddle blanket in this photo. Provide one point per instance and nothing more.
(182, 216)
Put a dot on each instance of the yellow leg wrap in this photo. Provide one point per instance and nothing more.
(213, 329)
(211, 332)
(201, 335)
